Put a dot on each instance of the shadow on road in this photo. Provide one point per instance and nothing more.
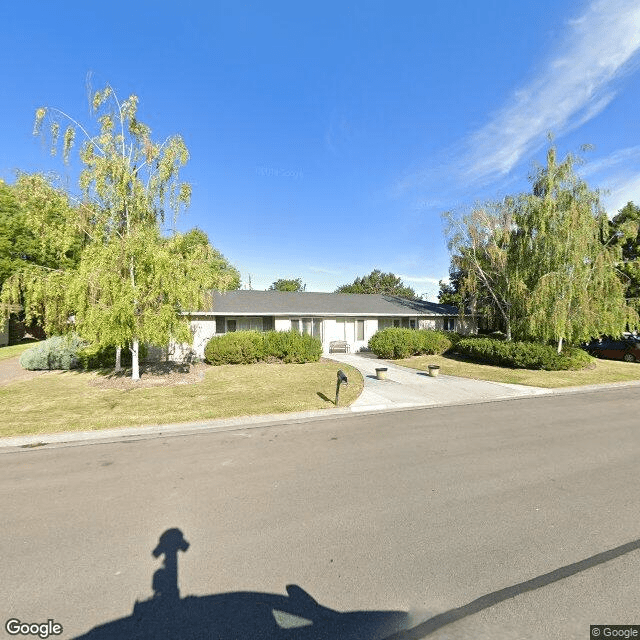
(253, 615)
(243, 615)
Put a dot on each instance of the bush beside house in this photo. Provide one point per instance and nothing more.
(247, 347)
(395, 343)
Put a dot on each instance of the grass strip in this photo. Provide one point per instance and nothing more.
(14, 350)
(68, 401)
(600, 372)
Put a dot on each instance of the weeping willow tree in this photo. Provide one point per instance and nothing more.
(562, 263)
(131, 283)
(40, 246)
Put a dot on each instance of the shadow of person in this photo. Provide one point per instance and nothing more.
(165, 580)
(241, 615)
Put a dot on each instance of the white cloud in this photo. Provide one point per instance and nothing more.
(622, 189)
(327, 271)
(629, 154)
(617, 175)
(422, 279)
(572, 88)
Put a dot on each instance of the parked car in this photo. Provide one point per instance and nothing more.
(626, 348)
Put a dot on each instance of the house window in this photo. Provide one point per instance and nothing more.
(412, 324)
(359, 329)
(449, 324)
(220, 324)
(310, 326)
(231, 325)
(396, 322)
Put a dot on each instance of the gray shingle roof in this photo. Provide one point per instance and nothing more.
(258, 303)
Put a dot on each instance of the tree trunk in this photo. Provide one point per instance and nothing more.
(118, 359)
(560, 345)
(135, 363)
(508, 332)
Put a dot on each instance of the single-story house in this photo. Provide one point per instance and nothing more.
(352, 318)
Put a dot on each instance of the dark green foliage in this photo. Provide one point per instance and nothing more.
(96, 357)
(395, 343)
(449, 292)
(246, 347)
(241, 347)
(452, 336)
(523, 355)
(284, 284)
(378, 282)
(58, 352)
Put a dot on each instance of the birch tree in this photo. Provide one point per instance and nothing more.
(479, 243)
(131, 284)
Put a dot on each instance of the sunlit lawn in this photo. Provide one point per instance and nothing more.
(14, 350)
(602, 371)
(66, 401)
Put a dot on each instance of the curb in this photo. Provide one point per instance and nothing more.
(78, 438)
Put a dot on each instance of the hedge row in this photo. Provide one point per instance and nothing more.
(246, 347)
(523, 355)
(394, 343)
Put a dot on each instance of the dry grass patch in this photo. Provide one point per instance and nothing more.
(600, 372)
(77, 401)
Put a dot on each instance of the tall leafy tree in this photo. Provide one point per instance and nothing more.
(40, 246)
(625, 233)
(131, 284)
(195, 245)
(479, 243)
(379, 282)
(284, 284)
(566, 275)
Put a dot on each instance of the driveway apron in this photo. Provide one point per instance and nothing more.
(404, 387)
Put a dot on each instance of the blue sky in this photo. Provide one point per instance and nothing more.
(326, 139)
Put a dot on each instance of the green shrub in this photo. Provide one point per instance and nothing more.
(245, 347)
(395, 343)
(299, 347)
(432, 342)
(95, 357)
(238, 347)
(522, 355)
(453, 337)
(57, 352)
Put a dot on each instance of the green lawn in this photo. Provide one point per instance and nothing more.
(67, 401)
(14, 350)
(600, 372)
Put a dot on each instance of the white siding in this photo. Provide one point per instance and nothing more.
(282, 324)
(346, 329)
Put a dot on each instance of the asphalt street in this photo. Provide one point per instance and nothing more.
(511, 519)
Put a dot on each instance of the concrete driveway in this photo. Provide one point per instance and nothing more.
(406, 387)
